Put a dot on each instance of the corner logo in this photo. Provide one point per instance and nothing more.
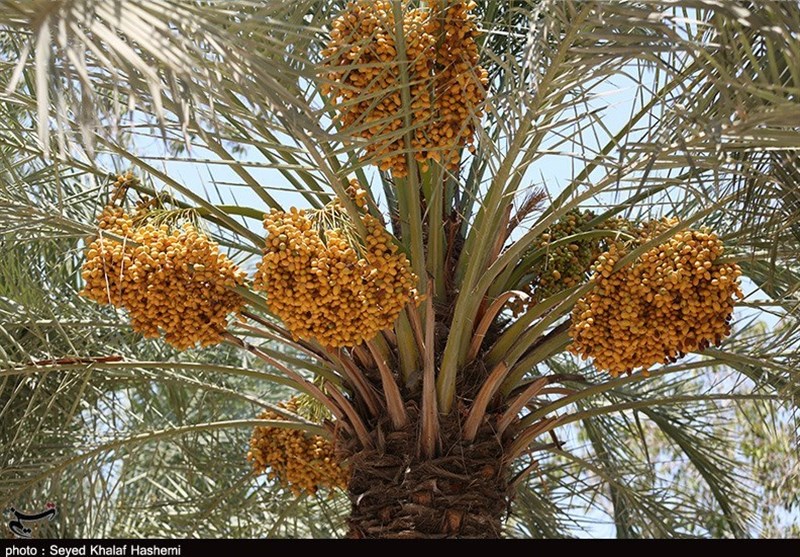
(19, 521)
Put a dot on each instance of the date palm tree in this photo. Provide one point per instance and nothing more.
(467, 415)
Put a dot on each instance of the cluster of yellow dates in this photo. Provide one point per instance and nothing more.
(324, 285)
(673, 299)
(302, 462)
(171, 280)
(446, 85)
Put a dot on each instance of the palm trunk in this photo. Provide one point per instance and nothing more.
(396, 493)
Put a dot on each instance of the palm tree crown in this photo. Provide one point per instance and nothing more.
(400, 268)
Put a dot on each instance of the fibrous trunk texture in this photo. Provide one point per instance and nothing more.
(462, 493)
